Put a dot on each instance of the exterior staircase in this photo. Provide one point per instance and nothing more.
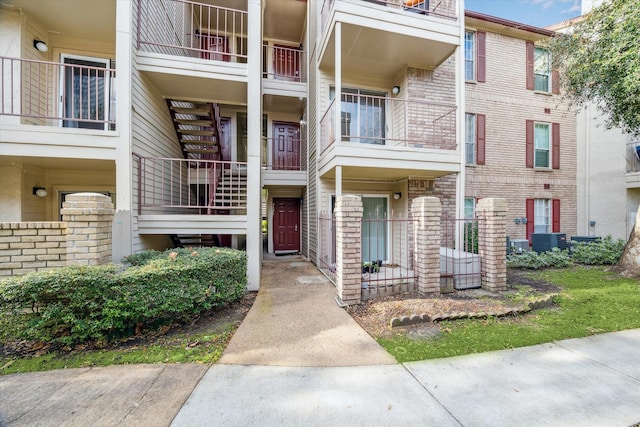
(198, 127)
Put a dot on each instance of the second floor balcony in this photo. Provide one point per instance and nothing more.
(75, 93)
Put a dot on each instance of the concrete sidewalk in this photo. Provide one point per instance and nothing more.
(299, 359)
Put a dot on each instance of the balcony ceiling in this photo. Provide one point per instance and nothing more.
(376, 53)
(87, 19)
(285, 20)
(52, 163)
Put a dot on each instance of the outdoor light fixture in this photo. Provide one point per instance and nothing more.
(524, 220)
(40, 192)
(397, 196)
(40, 45)
(395, 90)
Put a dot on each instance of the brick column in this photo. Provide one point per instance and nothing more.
(88, 217)
(348, 211)
(492, 243)
(426, 213)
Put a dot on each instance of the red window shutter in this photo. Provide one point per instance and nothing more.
(529, 144)
(555, 145)
(555, 213)
(481, 66)
(555, 81)
(480, 138)
(530, 217)
(530, 54)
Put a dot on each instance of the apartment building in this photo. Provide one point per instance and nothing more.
(200, 118)
(520, 136)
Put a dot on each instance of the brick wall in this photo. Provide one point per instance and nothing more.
(507, 104)
(26, 247)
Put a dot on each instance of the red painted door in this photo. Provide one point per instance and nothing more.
(225, 138)
(286, 146)
(286, 229)
(286, 63)
(214, 48)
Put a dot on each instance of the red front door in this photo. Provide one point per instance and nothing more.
(286, 146)
(286, 63)
(214, 48)
(286, 229)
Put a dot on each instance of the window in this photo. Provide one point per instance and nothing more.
(363, 116)
(469, 207)
(470, 138)
(542, 214)
(469, 55)
(541, 69)
(541, 138)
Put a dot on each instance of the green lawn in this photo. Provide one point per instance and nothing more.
(592, 301)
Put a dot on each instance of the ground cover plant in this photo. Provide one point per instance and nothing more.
(591, 300)
(67, 309)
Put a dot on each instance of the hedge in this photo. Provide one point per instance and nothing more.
(73, 304)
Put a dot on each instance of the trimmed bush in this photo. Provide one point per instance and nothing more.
(606, 251)
(533, 260)
(74, 304)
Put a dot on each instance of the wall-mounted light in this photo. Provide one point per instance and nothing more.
(395, 90)
(592, 223)
(301, 200)
(397, 196)
(40, 192)
(40, 45)
(302, 121)
(523, 220)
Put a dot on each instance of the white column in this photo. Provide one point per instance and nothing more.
(122, 230)
(460, 117)
(338, 181)
(338, 83)
(254, 138)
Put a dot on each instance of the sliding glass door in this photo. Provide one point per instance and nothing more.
(374, 228)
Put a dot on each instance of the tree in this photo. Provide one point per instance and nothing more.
(599, 62)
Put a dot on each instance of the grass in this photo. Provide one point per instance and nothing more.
(592, 301)
(198, 348)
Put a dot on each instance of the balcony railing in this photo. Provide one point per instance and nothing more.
(389, 121)
(191, 29)
(440, 8)
(284, 63)
(172, 185)
(57, 94)
(283, 154)
(633, 157)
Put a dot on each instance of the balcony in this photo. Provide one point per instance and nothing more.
(284, 162)
(58, 94)
(633, 164)
(379, 37)
(386, 137)
(189, 48)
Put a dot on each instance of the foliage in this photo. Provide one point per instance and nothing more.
(471, 237)
(592, 301)
(600, 61)
(74, 304)
(606, 251)
(555, 258)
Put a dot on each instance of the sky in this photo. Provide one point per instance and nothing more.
(539, 13)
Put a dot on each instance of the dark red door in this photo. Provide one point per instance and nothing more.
(286, 63)
(225, 138)
(286, 146)
(286, 229)
(214, 48)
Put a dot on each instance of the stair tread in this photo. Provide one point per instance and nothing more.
(196, 132)
(198, 142)
(200, 151)
(192, 111)
(191, 122)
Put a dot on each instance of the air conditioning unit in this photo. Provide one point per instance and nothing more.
(519, 246)
(544, 242)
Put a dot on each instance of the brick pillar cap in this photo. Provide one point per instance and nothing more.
(83, 197)
(426, 203)
(492, 204)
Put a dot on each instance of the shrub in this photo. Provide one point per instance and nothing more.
(471, 237)
(605, 251)
(533, 260)
(73, 304)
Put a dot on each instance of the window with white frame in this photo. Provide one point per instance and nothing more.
(469, 55)
(469, 207)
(541, 143)
(470, 138)
(542, 216)
(542, 69)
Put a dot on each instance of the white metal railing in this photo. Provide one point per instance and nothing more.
(205, 185)
(192, 29)
(285, 154)
(440, 8)
(57, 94)
(284, 63)
(633, 157)
(390, 121)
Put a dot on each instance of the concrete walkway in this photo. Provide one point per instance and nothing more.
(298, 359)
